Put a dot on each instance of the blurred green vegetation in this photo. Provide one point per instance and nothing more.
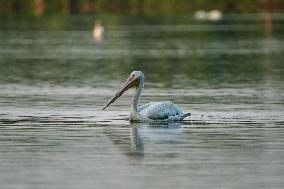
(62, 51)
(41, 7)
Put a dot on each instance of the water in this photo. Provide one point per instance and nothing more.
(54, 80)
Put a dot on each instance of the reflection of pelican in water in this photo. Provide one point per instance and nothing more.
(166, 111)
(98, 31)
(132, 144)
(137, 147)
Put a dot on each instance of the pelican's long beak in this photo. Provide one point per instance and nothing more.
(132, 81)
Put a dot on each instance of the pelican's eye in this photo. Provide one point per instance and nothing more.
(132, 75)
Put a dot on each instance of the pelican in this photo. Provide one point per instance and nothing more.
(165, 110)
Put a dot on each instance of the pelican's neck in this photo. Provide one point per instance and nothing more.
(136, 95)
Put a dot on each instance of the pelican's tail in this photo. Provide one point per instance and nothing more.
(184, 116)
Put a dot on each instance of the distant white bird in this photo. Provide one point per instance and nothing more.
(165, 110)
(215, 15)
(201, 15)
(98, 31)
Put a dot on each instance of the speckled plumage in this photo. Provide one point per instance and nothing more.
(164, 110)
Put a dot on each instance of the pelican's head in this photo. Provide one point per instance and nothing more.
(135, 79)
(138, 75)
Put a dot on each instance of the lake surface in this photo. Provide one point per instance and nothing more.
(55, 79)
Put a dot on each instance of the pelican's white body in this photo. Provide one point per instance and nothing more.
(164, 110)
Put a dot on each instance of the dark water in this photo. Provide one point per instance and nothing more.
(54, 80)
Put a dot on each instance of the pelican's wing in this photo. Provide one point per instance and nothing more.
(142, 107)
